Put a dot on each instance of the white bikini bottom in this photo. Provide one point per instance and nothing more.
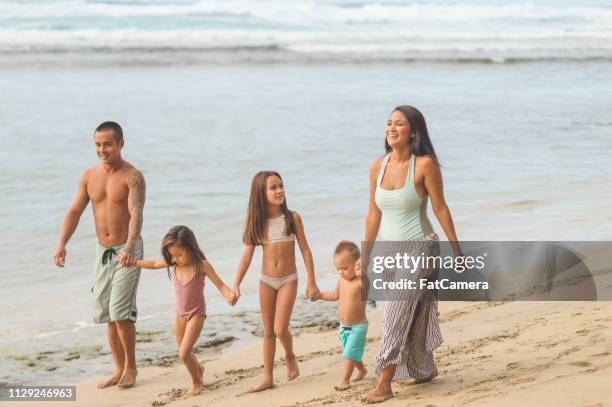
(277, 282)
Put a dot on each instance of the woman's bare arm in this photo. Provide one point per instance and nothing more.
(435, 190)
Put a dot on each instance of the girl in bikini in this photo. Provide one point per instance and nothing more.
(187, 268)
(272, 225)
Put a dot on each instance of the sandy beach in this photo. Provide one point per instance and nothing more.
(494, 354)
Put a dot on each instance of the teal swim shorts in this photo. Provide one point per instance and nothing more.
(353, 338)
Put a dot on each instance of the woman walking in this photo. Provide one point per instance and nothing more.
(401, 182)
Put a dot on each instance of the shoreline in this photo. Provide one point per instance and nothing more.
(155, 345)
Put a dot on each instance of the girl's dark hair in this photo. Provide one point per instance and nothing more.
(183, 236)
(420, 144)
(257, 211)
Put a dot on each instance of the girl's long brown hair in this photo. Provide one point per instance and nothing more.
(257, 211)
(183, 236)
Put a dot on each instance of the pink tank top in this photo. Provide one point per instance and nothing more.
(189, 296)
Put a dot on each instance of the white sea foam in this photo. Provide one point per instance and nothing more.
(306, 27)
(303, 12)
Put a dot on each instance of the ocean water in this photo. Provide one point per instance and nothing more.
(191, 31)
(517, 97)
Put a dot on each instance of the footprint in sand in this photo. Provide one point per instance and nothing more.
(174, 393)
(512, 365)
(523, 380)
(580, 363)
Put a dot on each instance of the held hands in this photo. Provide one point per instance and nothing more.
(312, 291)
(122, 258)
(236, 292)
(59, 257)
(230, 296)
(127, 257)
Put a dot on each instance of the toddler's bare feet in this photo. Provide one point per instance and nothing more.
(195, 389)
(292, 368)
(360, 374)
(265, 385)
(343, 385)
(128, 380)
(111, 381)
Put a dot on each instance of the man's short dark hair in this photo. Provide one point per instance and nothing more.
(117, 130)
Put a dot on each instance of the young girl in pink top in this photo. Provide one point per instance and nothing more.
(187, 267)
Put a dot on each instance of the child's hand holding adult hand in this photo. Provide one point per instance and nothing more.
(127, 257)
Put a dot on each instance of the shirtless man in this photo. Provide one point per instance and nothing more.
(117, 192)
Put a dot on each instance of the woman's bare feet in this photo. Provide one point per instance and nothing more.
(343, 385)
(128, 380)
(378, 395)
(111, 381)
(292, 367)
(195, 389)
(360, 374)
(265, 385)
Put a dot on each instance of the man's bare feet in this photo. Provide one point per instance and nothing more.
(195, 389)
(434, 373)
(111, 381)
(378, 396)
(128, 380)
(292, 367)
(343, 385)
(360, 374)
(265, 385)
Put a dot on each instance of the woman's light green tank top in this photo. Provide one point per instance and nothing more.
(404, 212)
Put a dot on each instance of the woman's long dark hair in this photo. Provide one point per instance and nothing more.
(420, 144)
(183, 236)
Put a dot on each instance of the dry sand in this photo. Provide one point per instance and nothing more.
(494, 354)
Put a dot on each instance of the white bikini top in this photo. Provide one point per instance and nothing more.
(276, 231)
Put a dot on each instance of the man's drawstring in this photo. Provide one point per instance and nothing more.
(107, 255)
